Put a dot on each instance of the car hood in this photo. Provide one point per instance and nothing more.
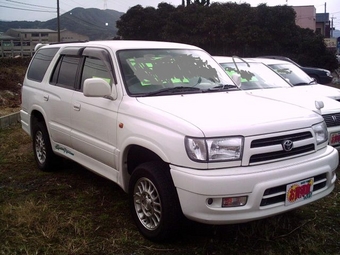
(234, 113)
(315, 69)
(300, 98)
(320, 90)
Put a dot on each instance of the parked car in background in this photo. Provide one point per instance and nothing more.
(297, 77)
(321, 76)
(259, 79)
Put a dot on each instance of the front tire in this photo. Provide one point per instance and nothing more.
(154, 202)
(42, 149)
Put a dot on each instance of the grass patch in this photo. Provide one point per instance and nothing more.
(73, 211)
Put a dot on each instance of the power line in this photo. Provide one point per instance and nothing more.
(31, 4)
(24, 9)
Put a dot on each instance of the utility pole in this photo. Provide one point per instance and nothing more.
(324, 23)
(58, 19)
(332, 28)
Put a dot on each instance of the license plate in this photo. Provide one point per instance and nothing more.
(299, 191)
(334, 138)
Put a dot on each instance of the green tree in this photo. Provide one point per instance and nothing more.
(139, 23)
(229, 29)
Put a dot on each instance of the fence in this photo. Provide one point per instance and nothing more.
(13, 48)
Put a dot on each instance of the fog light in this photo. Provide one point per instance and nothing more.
(234, 201)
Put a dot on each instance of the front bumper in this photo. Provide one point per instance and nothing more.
(334, 136)
(196, 187)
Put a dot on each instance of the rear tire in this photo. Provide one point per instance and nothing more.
(43, 153)
(154, 202)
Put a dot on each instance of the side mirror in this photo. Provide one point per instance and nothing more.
(97, 87)
(319, 104)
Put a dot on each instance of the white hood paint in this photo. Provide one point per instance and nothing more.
(221, 114)
(319, 90)
(300, 97)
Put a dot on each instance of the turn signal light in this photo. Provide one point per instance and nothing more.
(234, 201)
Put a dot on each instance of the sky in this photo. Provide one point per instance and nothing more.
(43, 10)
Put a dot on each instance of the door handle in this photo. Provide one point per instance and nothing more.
(76, 107)
(46, 97)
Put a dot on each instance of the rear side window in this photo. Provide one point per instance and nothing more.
(40, 63)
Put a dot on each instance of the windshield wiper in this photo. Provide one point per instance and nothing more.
(174, 90)
(222, 87)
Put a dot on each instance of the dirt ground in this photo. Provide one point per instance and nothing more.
(12, 72)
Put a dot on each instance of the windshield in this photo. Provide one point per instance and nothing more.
(293, 73)
(151, 72)
(255, 75)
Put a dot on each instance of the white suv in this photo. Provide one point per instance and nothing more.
(166, 123)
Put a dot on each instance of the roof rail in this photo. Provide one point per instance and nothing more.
(39, 45)
(80, 41)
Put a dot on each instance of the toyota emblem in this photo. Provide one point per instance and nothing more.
(287, 145)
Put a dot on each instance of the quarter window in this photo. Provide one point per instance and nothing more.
(40, 63)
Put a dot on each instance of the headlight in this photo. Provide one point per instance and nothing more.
(214, 149)
(321, 133)
(328, 74)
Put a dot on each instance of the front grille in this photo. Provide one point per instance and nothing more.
(280, 154)
(271, 148)
(332, 120)
(279, 139)
(277, 194)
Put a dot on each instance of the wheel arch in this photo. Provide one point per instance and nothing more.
(133, 156)
(36, 115)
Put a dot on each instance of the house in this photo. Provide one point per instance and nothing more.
(67, 36)
(322, 24)
(305, 16)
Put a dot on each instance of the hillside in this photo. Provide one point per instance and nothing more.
(95, 23)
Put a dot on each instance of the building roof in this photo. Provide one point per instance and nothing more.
(33, 30)
(303, 6)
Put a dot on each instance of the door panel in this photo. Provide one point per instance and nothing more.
(94, 127)
(58, 113)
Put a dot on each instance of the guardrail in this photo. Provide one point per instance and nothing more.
(9, 120)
